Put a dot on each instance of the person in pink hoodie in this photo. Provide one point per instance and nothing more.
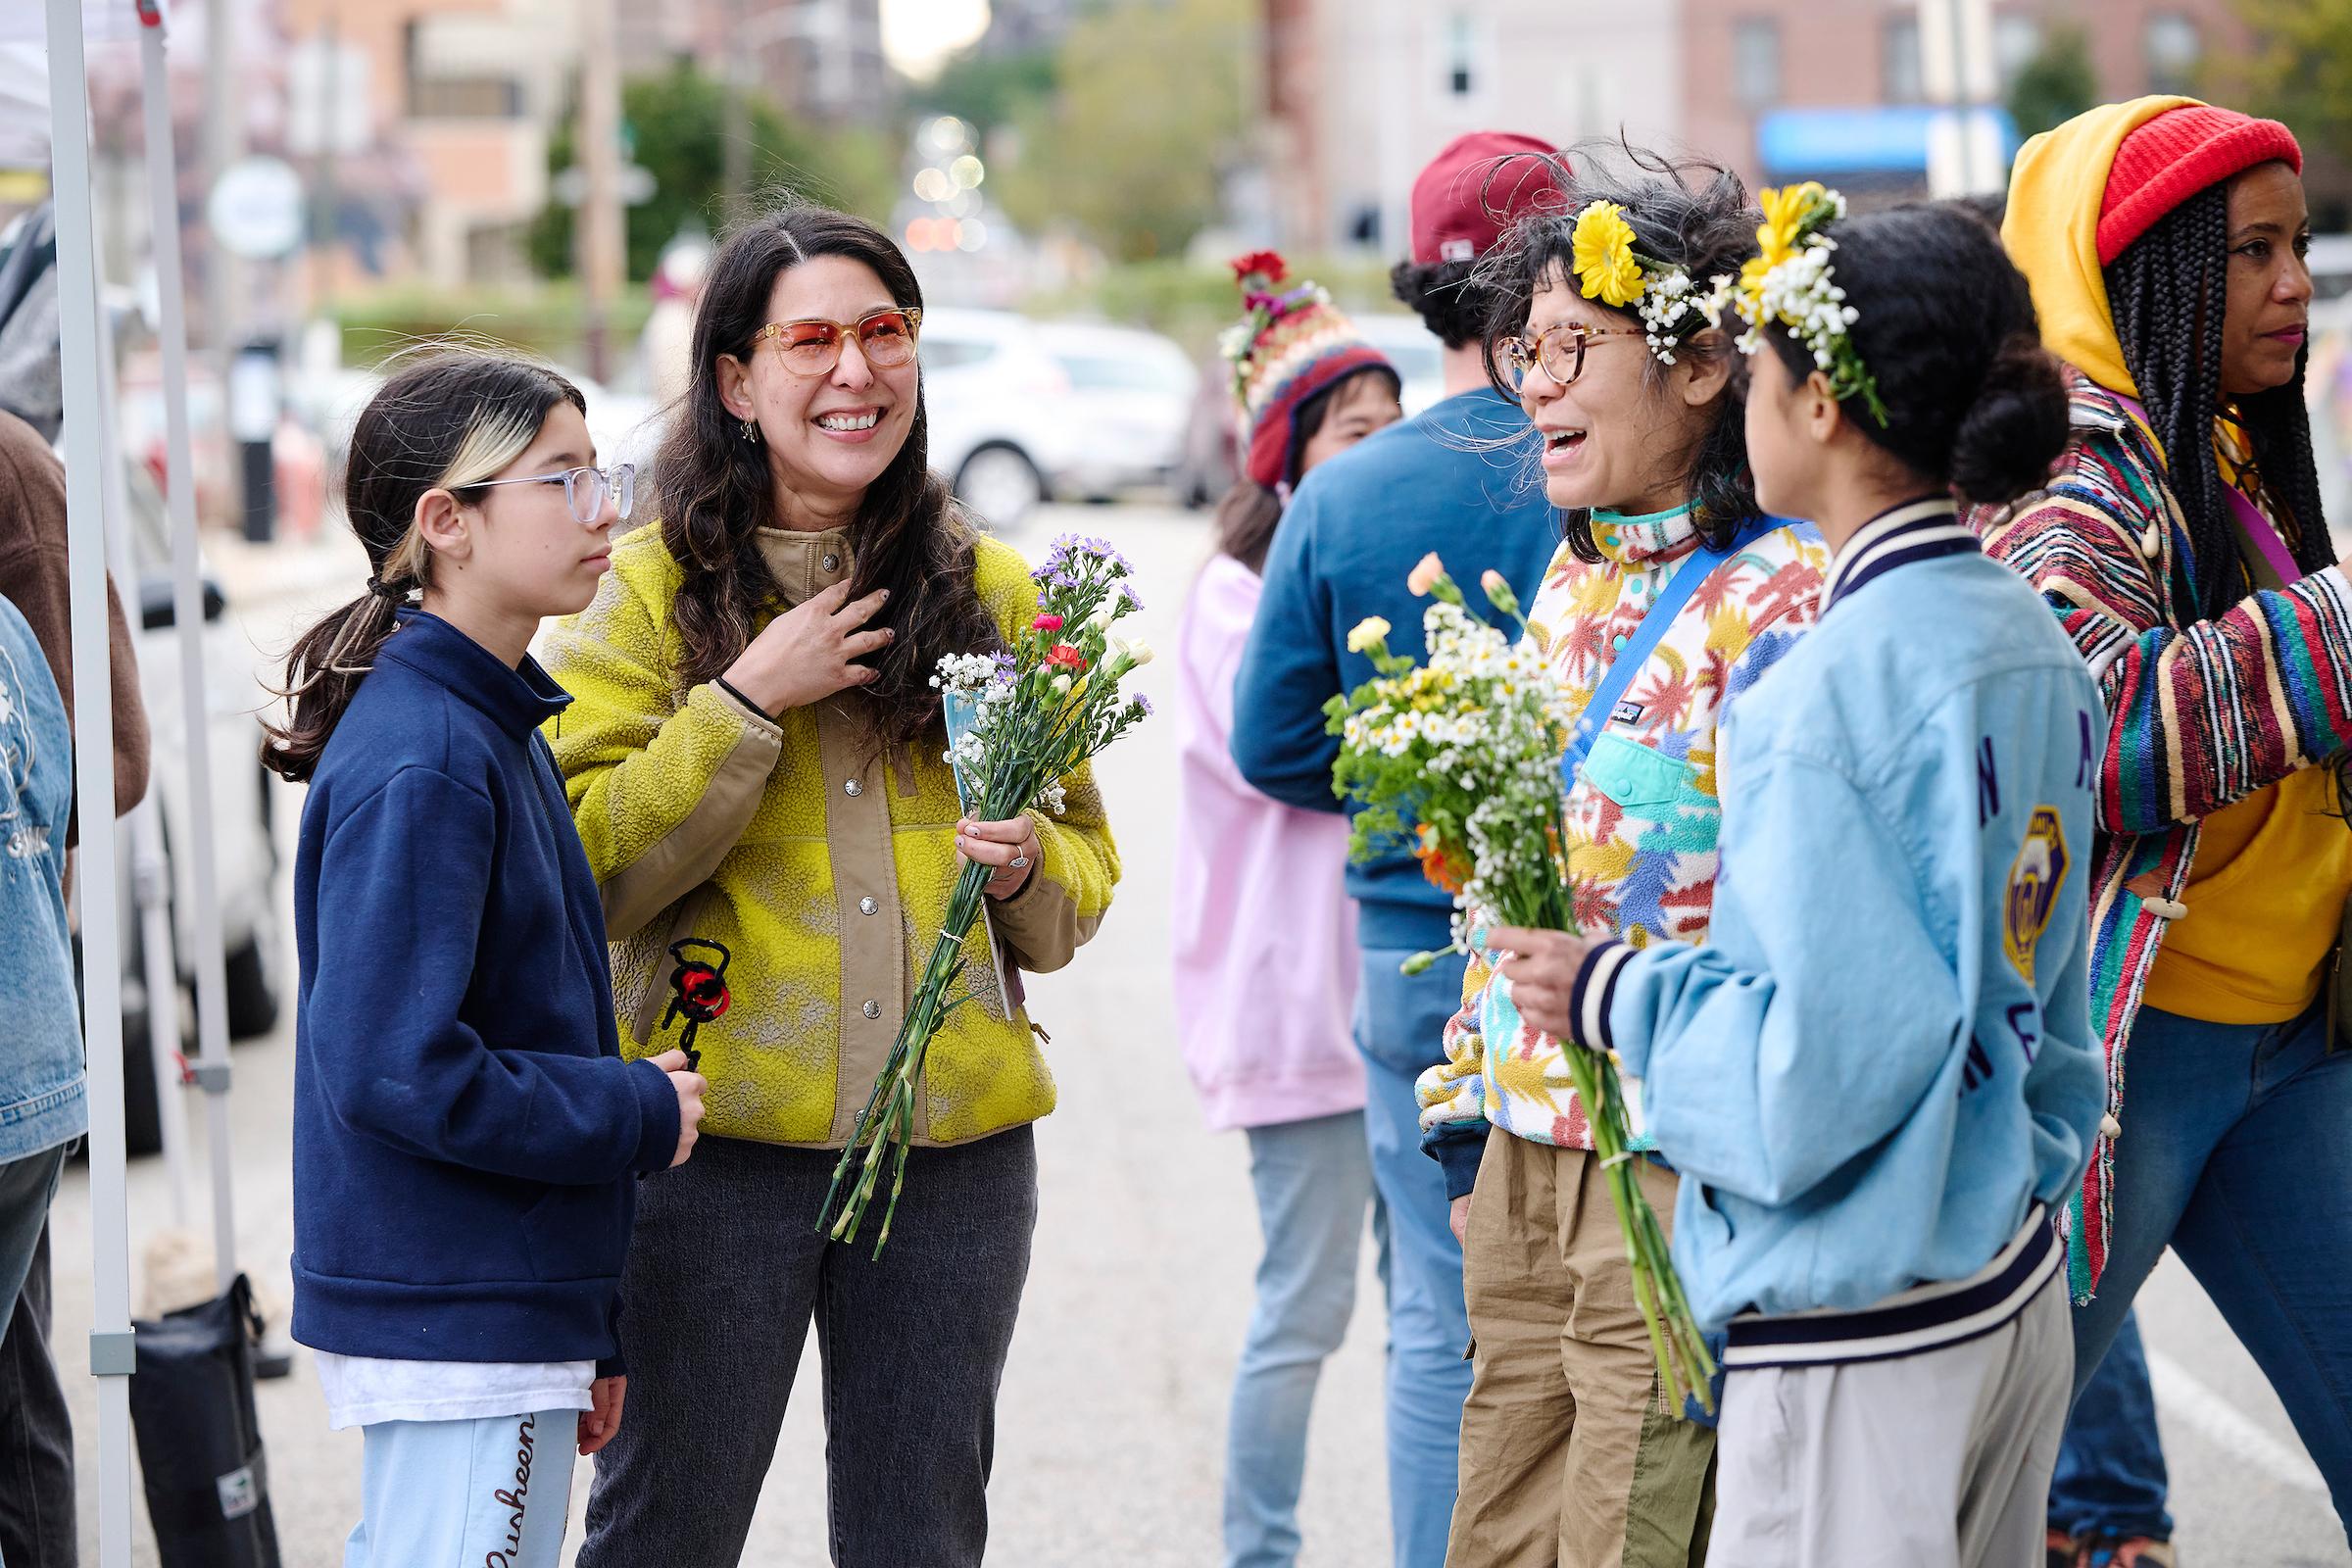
(1264, 932)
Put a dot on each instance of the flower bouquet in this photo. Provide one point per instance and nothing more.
(1019, 724)
(1460, 759)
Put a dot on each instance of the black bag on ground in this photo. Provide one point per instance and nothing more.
(199, 1445)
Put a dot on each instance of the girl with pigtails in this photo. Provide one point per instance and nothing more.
(466, 1137)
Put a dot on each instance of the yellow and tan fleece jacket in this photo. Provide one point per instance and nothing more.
(824, 868)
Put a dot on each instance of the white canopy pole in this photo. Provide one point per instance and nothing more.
(150, 871)
(187, 621)
(112, 1356)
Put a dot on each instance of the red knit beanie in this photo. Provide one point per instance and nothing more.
(2175, 155)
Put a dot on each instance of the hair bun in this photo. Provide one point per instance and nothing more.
(2013, 431)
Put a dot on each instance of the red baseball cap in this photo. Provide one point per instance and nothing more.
(1479, 185)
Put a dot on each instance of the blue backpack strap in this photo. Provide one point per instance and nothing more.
(1696, 567)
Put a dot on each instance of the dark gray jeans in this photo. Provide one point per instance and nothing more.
(725, 1274)
(36, 1431)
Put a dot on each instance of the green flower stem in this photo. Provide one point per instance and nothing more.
(886, 1124)
(1684, 1367)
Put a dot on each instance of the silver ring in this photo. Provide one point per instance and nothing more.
(1019, 862)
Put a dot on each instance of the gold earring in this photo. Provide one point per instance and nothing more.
(751, 432)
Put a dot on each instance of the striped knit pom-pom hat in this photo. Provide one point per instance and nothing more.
(1291, 344)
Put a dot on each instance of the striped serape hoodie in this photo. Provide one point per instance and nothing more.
(2199, 714)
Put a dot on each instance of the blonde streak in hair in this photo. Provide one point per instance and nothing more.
(495, 439)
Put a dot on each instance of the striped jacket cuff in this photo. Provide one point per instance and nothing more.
(1594, 990)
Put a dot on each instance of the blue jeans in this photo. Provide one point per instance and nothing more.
(1400, 1029)
(2234, 1152)
(2111, 1478)
(1315, 1184)
(36, 1429)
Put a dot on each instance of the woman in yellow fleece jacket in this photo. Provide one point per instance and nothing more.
(754, 758)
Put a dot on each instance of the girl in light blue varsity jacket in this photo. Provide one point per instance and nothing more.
(1879, 1073)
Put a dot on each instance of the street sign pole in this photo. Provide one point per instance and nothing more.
(113, 1353)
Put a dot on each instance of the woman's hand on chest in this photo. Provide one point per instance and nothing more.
(810, 652)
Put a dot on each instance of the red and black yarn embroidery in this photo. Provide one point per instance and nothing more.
(697, 993)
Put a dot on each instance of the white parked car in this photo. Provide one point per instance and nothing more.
(1025, 412)
(244, 848)
(1414, 350)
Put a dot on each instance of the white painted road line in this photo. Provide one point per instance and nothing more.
(2215, 1419)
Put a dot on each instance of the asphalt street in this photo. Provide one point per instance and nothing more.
(1110, 1433)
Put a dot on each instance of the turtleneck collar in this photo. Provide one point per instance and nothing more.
(1650, 536)
(806, 565)
(519, 700)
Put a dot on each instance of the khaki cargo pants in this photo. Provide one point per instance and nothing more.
(1569, 1454)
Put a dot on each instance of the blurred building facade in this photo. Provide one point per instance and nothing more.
(448, 138)
(1835, 90)
(1018, 27)
(820, 61)
(1361, 93)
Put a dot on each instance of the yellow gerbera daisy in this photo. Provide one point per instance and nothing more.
(1602, 250)
(1787, 211)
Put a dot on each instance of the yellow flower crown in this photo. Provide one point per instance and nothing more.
(1790, 285)
(1611, 270)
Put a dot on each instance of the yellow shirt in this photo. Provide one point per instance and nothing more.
(2265, 894)
(2265, 902)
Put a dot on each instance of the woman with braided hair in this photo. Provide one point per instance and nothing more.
(2183, 545)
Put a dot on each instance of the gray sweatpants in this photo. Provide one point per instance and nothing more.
(1940, 1459)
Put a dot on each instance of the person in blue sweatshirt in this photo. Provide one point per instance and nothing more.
(466, 1137)
(1458, 478)
(1879, 1074)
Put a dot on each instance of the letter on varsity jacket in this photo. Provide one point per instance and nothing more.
(1765, 1081)
(405, 875)
(1289, 670)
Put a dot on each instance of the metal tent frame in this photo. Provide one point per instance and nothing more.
(90, 447)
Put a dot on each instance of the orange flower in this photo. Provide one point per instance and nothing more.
(1442, 869)
(1062, 656)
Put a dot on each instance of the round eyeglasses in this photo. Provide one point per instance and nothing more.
(584, 489)
(1558, 350)
(813, 346)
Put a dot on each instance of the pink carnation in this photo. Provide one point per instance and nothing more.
(1046, 623)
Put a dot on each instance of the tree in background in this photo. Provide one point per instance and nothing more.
(1146, 114)
(678, 124)
(2056, 84)
(2299, 69)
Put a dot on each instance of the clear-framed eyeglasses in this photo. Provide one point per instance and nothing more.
(1558, 350)
(584, 489)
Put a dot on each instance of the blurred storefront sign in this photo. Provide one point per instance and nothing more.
(1876, 147)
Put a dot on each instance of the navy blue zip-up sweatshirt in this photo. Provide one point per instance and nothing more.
(467, 1137)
